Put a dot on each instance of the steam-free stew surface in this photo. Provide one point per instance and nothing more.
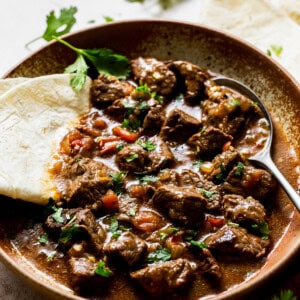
(156, 195)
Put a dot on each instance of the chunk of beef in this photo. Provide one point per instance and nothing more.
(223, 164)
(236, 242)
(185, 206)
(228, 110)
(188, 177)
(207, 264)
(106, 89)
(155, 74)
(212, 193)
(84, 280)
(83, 181)
(166, 277)
(63, 215)
(153, 120)
(121, 108)
(243, 210)
(85, 221)
(193, 78)
(128, 247)
(209, 142)
(250, 181)
(179, 126)
(138, 158)
(127, 205)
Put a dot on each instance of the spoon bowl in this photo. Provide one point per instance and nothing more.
(262, 157)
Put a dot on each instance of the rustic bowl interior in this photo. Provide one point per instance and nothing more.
(206, 47)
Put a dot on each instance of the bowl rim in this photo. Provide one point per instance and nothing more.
(236, 291)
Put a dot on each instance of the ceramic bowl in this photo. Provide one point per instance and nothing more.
(217, 51)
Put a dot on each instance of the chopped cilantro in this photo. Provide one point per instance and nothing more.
(221, 175)
(198, 244)
(105, 61)
(132, 212)
(120, 146)
(146, 145)
(285, 295)
(131, 157)
(143, 105)
(70, 233)
(262, 229)
(235, 102)
(159, 255)
(191, 234)
(239, 169)
(43, 239)
(57, 216)
(149, 178)
(233, 224)
(103, 270)
(206, 193)
(108, 19)
(132, 124)
(129, 106)
(277, 50)
(118, 181)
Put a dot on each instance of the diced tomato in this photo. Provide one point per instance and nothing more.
(125, 134)
(110, 200)
(109, 148)
(76, 143)
(147, 221)
(215, 222)
(226, 146)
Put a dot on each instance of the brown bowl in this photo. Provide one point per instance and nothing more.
(221, 53)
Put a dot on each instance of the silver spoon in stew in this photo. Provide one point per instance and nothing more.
(263, 157)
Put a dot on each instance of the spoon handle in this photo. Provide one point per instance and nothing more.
(268, 163)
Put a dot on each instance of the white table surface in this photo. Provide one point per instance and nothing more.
(23, 20)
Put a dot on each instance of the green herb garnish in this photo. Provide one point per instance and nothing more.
(70, 233)
(285, 295)
(277, 50)
(103, 270)
(146, 145)
(198, 244)
(149, 178)
(131, 157)
(118, 181)
(161, 254)
(206, 193)
(239, 169)
(57, 216)
(105, 61)
(108, 19)
(43, 239)
(262, 229)
(235, 102)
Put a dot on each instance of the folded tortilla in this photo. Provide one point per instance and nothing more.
(34, 114)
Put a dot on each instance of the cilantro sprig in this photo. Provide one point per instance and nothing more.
(285, 295)
(103, 270)
(58, 25)
(105, 61)
(159, 255)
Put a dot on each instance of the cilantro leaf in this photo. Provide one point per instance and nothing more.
(57, 216)
(262, 229)
(43, 239)
(161, 254)
(285, 295)
(131, 157)
(239, 169)
(108, 19)
(57, 26)
(277, 50)
(149, 178)
(200, 245)
(206, 193)
(102, 270)
(105, 61)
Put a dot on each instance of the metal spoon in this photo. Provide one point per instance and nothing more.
(263, 157)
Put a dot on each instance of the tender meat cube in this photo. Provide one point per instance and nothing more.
(128, 247)
(166, 277)
(106, 89)
(86, 223)
(209, 142)
(228, 110)
(179, 126)
(188, 177)
(153, 120)
(83, 276)
(193, 77)
(127, 205)
(180, 204)
(155, 74)
(66, 214)
(212, 193)
(223, 163)
(236, 242)
(83, 181)
(207, 264)
(134, 158)
(251, 181)
(243, 210)
(121, 108)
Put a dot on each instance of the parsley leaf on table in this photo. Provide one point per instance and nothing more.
(105, 61)
(285, 295)
(57, 26)
(274, 49)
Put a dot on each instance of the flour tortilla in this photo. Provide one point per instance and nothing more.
(34, 114)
